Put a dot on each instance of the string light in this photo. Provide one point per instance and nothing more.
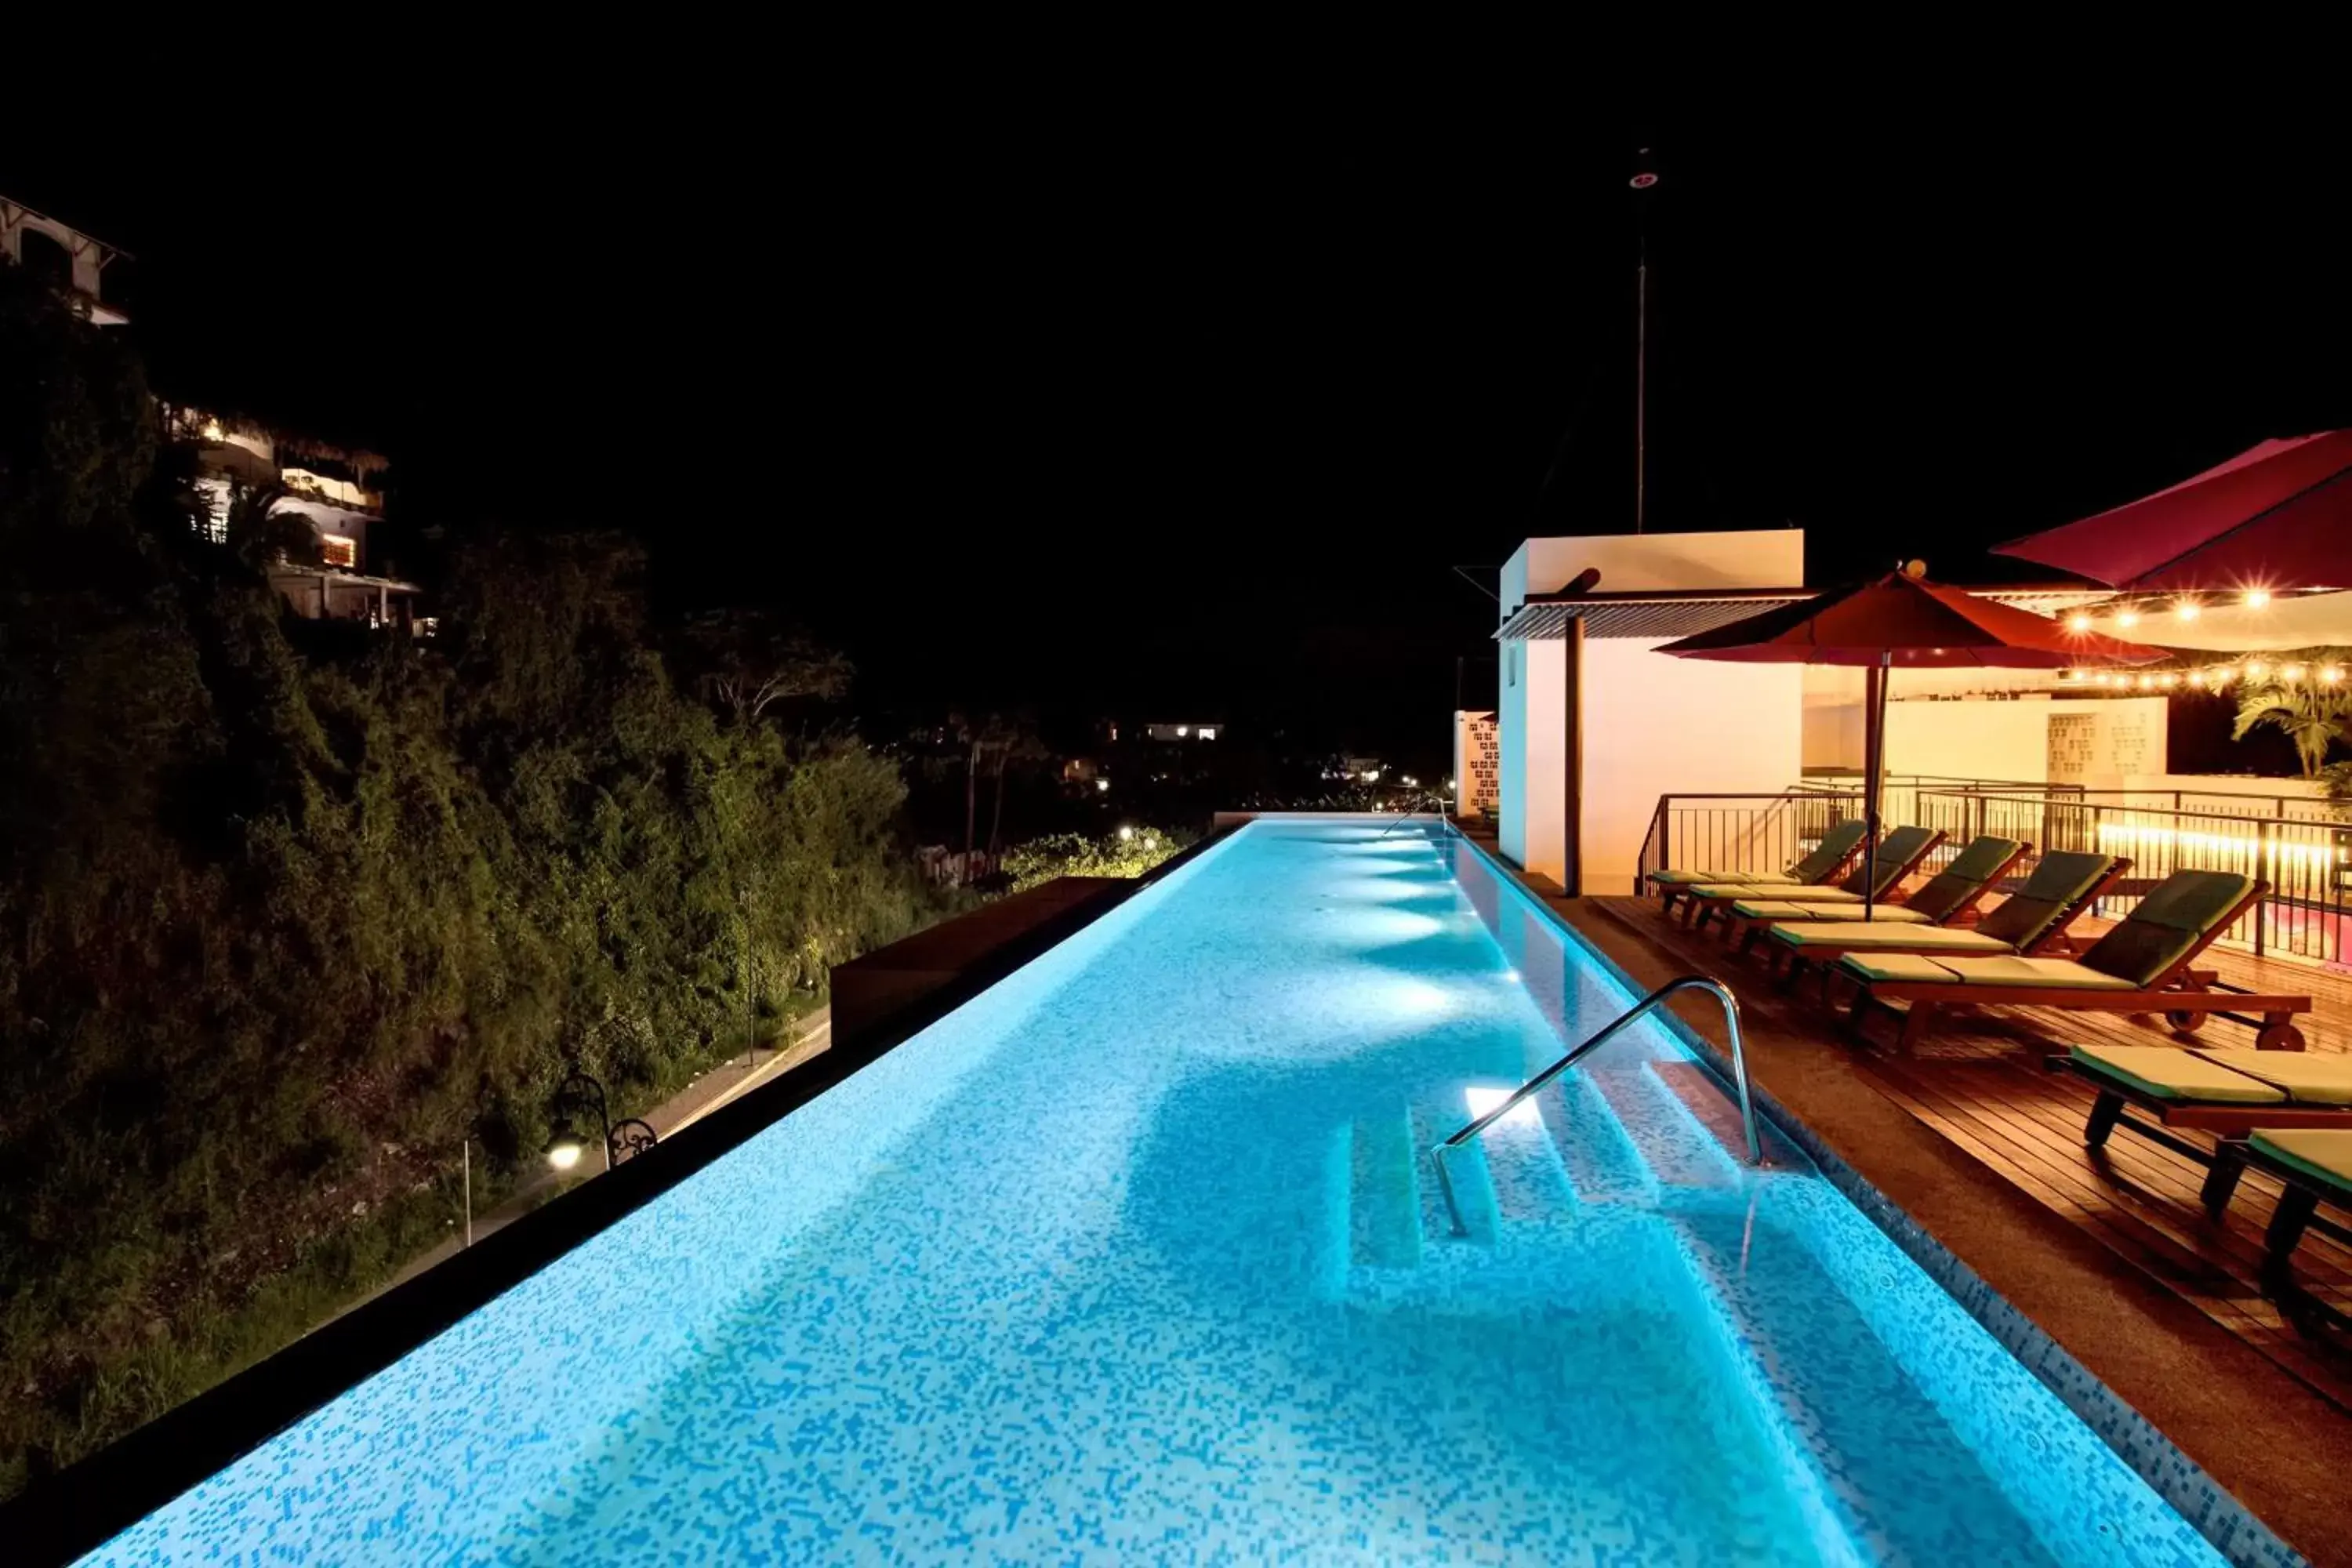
(2104, 679)
(2080, 621)
(2196, 679)
(2186, 610)
(2290, 672)
(2256, 669)
(2147, 682)
(2166, 679)
(2127, 618)
(2257, 598)
(2332, 674)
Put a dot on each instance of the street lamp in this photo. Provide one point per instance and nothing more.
(577, 1094)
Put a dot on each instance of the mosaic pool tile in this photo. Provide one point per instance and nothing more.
(1139, 1258)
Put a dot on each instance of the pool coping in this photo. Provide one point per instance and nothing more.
(2233, 1529)
(61, 1518)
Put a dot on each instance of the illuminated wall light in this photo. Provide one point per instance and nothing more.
(2186, 610)
(2257, 598)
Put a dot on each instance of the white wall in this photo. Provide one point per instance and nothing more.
(1978, 740)
(1654, 725)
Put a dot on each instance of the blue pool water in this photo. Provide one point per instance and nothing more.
(1134, 1258)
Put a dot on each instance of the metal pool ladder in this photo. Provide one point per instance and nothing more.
(1707, 983)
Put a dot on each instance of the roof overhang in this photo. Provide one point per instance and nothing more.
(1684, 612)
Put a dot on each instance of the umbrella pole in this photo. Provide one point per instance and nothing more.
(1874, 769)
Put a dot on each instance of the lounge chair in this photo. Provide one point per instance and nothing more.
(1827, 862)
(1899, 853)
(1949, 894)
(2140, 966)
(2227, 1094)
(2315, 1164)
(2034, 919)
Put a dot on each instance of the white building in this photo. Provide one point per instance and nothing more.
(66, 258)
(1595, 726)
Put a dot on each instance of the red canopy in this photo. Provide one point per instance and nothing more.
(1900, 620)
(1903, 622)
(2276, 516)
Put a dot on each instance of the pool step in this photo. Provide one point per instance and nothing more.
(1869, 1454)
(1603, 1164)
(1384, 1192)
(1673, 1144)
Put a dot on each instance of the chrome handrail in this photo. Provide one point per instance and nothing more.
(1722, 994)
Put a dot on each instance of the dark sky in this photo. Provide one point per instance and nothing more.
(1188, 398)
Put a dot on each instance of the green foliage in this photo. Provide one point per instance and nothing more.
(1075, 855)
(277, 933)
(2313, 714)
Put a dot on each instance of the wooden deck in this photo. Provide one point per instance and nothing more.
(1981, 1082)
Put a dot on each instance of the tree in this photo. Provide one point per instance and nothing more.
(748, 661)
(2313, 712)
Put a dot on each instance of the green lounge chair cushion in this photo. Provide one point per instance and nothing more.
(2167, 1073)
(1806, 909)
(1963, 881)
(2309, 1078)
(1848, 931)
(1826, 856)
(2059, 883)
(2050, 974)
(2167, 926)
(1906, 967)
(2323, 1154)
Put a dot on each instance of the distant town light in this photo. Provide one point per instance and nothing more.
(1207, 732)
(1126, 833)
(1102, 786)
(1370, 776)
(1183, 728)
(1410, 781)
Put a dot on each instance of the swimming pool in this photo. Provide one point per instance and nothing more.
(1135, 1258)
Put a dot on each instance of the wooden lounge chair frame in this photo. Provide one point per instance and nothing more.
(1743, 932)
(1790, 963)
(2230, 1122)
(1700, 910)
(1669, 891)
(2185, 995)
(2298, 1211)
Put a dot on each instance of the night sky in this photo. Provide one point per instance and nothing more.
(1185, 401)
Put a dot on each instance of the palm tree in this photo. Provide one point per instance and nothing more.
(2311, 711)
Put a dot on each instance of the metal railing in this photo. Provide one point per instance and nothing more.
(1616, 1026)
(2307, 861)
(1740, 832)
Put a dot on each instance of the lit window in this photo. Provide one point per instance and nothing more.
(338, 550)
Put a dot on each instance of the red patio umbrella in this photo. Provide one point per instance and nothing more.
(2276, 516)
(1901, 619)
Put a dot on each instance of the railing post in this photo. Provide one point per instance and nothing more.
(2269, 874)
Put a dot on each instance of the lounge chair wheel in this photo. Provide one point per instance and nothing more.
(2185, 1023)
(2279, 1038)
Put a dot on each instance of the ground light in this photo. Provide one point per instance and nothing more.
(575, 1096)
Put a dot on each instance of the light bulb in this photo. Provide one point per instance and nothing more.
(2127, 618)
(2080, 621)
(2257, 598)
(2186, 610)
